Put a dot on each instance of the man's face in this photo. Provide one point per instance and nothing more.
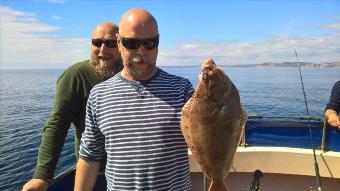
(139, 51)
(105, 57)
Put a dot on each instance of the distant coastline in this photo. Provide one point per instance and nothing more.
(289, 64)
(263, 65)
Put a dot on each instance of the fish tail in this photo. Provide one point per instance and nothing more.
(215, 186)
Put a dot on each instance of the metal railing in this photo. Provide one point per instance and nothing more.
(323, 148)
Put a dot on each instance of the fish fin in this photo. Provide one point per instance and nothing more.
(214, 186)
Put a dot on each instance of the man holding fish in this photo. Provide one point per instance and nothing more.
(134, 119)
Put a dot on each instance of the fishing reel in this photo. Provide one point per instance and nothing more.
(255, 183)
(254, 186)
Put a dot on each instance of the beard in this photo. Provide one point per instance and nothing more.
(139, 72)
(105, 69)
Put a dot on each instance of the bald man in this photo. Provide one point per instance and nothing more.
(73, 88)
(134, 118)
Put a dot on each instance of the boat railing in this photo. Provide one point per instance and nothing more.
(287, 121)
(302, 117)
(63, 180)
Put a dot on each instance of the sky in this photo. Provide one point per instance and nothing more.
(57, 33)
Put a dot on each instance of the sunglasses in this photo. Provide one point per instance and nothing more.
(132, 43)
(108, 43)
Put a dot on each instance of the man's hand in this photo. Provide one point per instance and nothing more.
(334, 121)
(332, 118)
(36, 185)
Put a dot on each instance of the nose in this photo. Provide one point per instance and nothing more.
(141, 50)
(103, 48)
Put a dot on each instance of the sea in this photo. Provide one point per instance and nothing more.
(26, 97)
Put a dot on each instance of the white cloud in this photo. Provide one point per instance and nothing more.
(57, 18)
(322, 48)
(25, 42)
(333, 26)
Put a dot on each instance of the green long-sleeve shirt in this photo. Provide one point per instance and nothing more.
(73, 88)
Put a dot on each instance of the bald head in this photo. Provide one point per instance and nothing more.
(105, 27)
(138, 23)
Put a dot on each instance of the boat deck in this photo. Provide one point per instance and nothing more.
(281, 147)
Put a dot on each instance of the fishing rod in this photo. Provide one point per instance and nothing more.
(316, 166)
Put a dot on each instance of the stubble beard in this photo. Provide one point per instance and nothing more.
(140, 73)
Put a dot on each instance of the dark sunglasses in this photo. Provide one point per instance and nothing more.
(108, 43)
(132, 43)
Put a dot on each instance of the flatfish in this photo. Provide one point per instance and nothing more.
(212, 121)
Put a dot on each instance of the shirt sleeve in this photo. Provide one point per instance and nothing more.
(334, 100)
(92, 144)
(65, 107)
(189, 90)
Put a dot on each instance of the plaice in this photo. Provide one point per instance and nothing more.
(212, 122)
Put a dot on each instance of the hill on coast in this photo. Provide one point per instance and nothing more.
(291, 64)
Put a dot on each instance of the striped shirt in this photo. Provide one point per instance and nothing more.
(136, 125)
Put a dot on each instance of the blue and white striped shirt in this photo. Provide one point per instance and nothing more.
(136, 124)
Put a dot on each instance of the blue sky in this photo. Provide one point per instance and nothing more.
(56, 33)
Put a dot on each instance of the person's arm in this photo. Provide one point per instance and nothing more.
(333, 106)
(92, 150)
(54, 133)
(86, 175)
(332, 118)
(189, 90)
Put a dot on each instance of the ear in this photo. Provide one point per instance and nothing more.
(118, 42)
(117, 38)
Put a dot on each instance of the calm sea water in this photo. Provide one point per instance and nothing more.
(26, 98)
